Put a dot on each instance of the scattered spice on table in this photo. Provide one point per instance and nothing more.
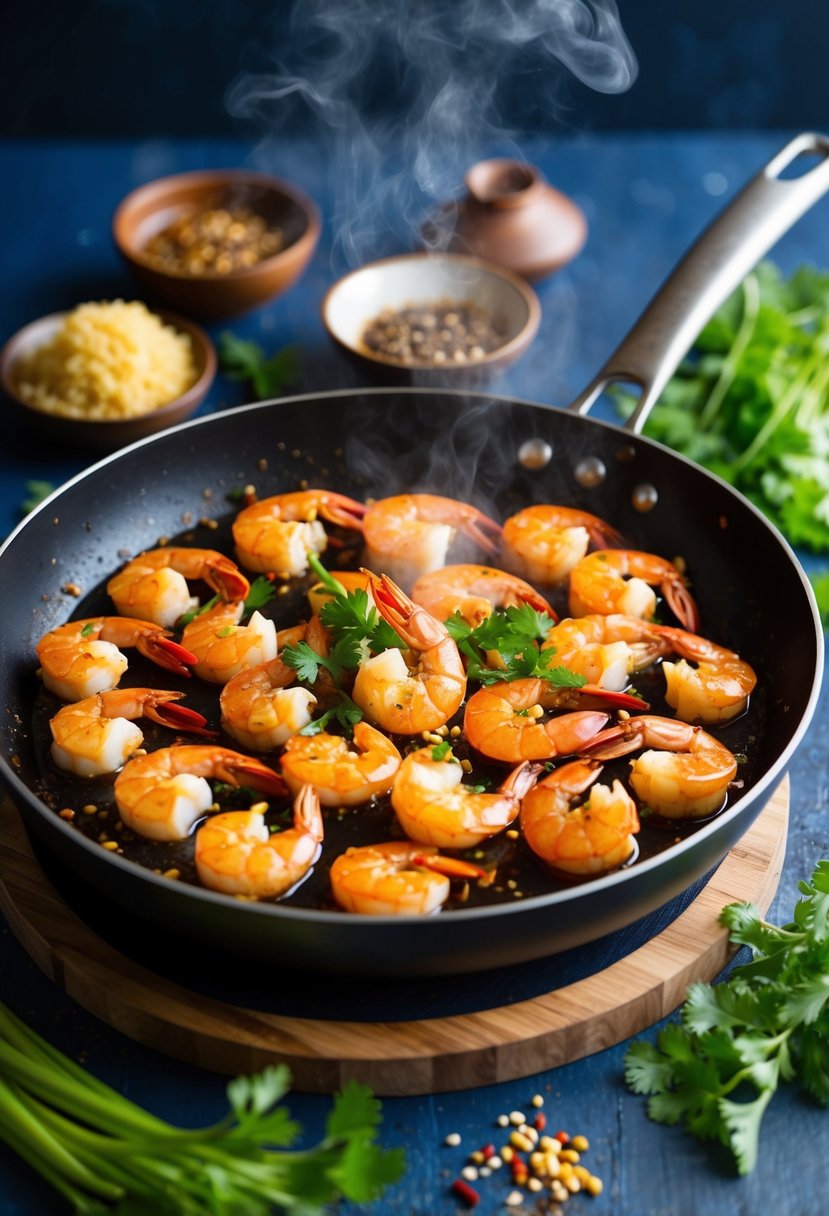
(217, 240)
(535, 1166)
(445, 331)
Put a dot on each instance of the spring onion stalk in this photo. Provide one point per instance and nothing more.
(105, 1154)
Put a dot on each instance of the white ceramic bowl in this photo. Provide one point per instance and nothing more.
(425, 278)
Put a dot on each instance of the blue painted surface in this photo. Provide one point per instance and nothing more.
(646, 198)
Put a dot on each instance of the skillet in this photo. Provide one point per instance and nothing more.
(500, 455)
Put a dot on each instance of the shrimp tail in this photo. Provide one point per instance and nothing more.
(616, 741)
(344, 511)
(180, 717)
(522, 779)
(682, 604)
(538, 603)
(226, 580)
(166, 653)
(570, 733)
(615, 700)
(414, 624)
(251, 772)
(307, 812)
(604, 536)
(453, 867)
(485, 532)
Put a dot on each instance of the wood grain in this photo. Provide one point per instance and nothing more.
(432, 1055)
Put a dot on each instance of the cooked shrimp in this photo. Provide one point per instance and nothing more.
(434, 807)
(342, 774)
(84, 657)
(686, 775)
(98, 734)
(505, 721)
(588, 839)
(162, 794)
(544, 542)
(620, 580)
(419, 689)
(396, 878)
(277, 534)
(475, 592)
(716, 689)
(261, 710)
(223, 647)
(153, 586)
(237, 854)
(410, 534)
(605, 649)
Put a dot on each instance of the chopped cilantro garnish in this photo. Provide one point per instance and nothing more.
(261, 593)
(88, 628)
(513, 634)
(442, 751)
(346, 715)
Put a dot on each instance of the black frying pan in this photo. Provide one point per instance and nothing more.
(751, 591)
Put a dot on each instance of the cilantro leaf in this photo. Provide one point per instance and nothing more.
(243, 360)
(512, 635)
(36, 492)
(345, 713)
(261, 592)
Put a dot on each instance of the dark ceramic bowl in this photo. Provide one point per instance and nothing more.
(211, 295)
(105, 435)
(424, 278)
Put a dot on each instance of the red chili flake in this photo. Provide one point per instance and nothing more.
(562, 1137)
(488, 1151)
(465, 1192)
(518, 1169)
(540, 1121)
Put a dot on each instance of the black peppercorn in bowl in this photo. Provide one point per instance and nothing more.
(432, 318)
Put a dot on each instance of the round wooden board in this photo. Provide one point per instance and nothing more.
(395, 1058)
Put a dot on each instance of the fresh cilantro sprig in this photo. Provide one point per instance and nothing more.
(751, 403)
(717, 1071)
(103, 1153)
(344, 714)
(513, 633)
(36, 492)
(241, 359)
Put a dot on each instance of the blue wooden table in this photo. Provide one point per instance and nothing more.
(646, 199)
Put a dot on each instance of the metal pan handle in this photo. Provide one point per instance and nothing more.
(711, 269)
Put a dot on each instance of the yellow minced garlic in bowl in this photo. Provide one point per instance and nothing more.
(107, 361)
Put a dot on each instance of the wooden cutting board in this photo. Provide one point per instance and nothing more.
(431, 1055)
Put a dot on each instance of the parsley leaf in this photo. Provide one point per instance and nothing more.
(345, 713)
(261, 592)
(717, 1071)
(512, 636)
(244, 360)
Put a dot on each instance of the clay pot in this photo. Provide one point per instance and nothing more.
(513, 216)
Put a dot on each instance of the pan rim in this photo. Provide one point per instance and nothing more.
(593, 887)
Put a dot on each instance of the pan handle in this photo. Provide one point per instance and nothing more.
(711, 269)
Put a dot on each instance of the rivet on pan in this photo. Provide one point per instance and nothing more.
(535, 453)
(626, 454)
(590, 472)
(644, 497)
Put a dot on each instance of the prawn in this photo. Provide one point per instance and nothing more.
(162, 794)
(349, 580)
(397, 878)
(620, 580)
(416, 690)
(342, 775)
(260, 709)
(434, 807)
(605, 649)
(685, 776)
(222, 647)
(588, 839)
(505, 721)
(544, 542)
(276, 534)
(98, 734)
(410, 534)
(84, 657)
(237, 854)
(474, 592)
(153, 586)
(716, 689)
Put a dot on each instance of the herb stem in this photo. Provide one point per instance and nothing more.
(751, 308)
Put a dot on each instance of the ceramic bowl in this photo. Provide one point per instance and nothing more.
(211, 295)
(424, 278)
(105, 435)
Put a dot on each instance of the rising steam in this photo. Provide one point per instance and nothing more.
(409, 93)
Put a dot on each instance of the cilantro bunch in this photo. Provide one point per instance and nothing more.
(751, 403)
(105, 1154)
(260, 594)
(246, 361)
(513, 634)
(716, 1072)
